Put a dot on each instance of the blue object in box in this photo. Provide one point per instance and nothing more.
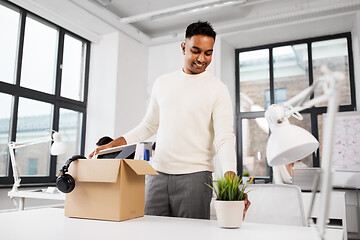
(146, 154)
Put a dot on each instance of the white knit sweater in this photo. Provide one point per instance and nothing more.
(192, 115)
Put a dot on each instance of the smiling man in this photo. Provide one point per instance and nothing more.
(198, 51)
(191, 112)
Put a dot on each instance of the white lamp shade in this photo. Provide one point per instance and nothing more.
(58, 147)
(289, 143)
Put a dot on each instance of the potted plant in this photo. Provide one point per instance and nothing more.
(245, 177)
(229, 204)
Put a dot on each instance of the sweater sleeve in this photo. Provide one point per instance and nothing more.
(225, 139)
(149, 125)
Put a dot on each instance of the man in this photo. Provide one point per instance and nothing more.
(191, 112)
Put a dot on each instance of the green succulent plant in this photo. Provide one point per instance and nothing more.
(229, 188)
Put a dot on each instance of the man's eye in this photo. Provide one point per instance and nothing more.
(208, 53)
(195, 51)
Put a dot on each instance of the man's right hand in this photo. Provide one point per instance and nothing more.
(117, 142)
(97, 150)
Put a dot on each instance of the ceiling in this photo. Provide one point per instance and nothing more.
(159, 21)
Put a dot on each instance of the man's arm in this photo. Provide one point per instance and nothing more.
(115, 143)
(143, 131)
(224, 137)
(223, 122)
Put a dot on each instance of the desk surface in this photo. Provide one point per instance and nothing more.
(50, 223)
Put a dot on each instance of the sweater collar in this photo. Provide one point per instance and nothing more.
(193, 76)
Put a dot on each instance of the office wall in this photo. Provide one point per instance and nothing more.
(117, 87)
(102, 90)
(131, 94)
(225, 67)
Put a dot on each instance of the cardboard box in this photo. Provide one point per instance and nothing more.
(108, 189)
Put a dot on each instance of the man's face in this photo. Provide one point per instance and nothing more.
(198, 53)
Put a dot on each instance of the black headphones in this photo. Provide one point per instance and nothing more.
(65, 182)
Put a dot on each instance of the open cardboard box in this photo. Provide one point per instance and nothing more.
(108, 189)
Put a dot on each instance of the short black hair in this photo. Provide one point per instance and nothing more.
(200, 28)
(104, 140)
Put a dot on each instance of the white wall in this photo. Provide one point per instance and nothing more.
(131, 85)
(117, 87)
(163, 59)
(225, 67)
(102, 90)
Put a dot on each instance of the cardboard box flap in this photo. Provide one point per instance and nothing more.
(140, 167)
(92, 170)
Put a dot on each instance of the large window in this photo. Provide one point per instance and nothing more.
(274, 74)
(43, 87)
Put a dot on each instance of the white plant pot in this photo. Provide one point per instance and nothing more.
(229, 213)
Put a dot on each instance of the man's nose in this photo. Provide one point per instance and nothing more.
(201, 57)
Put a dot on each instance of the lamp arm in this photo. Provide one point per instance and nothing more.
(15, 145)
(328, 84)
(17, 178)
(277, 114)
(301, 101)
(326, 165)
(302, 96)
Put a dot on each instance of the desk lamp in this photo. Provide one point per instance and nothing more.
(289, 143)
(57, 148)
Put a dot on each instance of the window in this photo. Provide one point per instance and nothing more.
(279, 96)
(43, 87)
(70, 126)
(9, 25)
(274, 74)
(40, 40)
(32, 166)
(5, 103)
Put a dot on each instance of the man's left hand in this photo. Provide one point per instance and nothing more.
(246, 200)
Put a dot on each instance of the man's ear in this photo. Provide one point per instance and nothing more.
(183, 47)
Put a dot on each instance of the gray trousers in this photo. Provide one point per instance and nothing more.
(180, 195)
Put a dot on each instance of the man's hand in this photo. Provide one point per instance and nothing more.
(246, 200)
(97, 150)
(247, 205)
(117, 142)
(230, 173)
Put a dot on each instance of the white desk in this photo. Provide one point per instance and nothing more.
(50, 223)
(38, 194)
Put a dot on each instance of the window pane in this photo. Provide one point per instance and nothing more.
(305, 124)
(334, 55)
(9, 26)
(70, 126)
(34, 122)
(290, 71)
(254, 139)
(5, 106)
(254, 79)
(279, 96)
(39, 57)
(73, 68)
